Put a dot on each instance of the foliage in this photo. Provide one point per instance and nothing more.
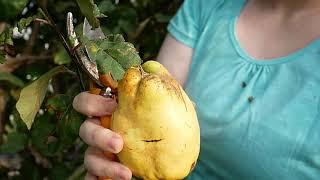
(38, 79)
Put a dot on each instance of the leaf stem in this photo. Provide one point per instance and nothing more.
(42, 21)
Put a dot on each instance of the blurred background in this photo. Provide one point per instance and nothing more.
(29, 48)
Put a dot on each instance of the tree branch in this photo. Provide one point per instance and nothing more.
(3, 102)
(33, 38)
(41, 160)
(42, 21)
(77, 173)
(12, 63)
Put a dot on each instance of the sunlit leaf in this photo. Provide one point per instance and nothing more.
(123, 52)
(105, 63)
(8, 77)
(115, 38)
(31, 96)
(113, 55)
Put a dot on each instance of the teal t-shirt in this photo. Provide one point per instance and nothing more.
(259, 119)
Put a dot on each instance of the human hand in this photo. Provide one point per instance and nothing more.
(100, 159)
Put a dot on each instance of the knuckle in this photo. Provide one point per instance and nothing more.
(82, 130)
(90, 107)
(110, 170)
(97, 135)
(86, 160)
(75, 102)
(117, 171)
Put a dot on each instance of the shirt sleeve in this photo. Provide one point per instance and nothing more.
(184, 26)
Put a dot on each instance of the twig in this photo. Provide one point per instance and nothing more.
(39, 158)
(33, 38)
(42, 21)
(12, 63)
(139, 30)
(74, 58)
(3, 102)
(77, 173)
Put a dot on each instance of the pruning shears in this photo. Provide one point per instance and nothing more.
(100, 84)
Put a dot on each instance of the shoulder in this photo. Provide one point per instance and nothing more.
(208, 10)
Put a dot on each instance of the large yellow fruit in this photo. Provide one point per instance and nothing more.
(158, 123)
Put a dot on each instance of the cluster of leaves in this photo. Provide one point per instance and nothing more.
(36, 67)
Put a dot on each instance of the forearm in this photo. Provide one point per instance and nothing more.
(176, 57)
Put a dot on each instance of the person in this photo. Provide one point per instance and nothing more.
(252, 68)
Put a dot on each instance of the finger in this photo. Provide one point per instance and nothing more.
(90, 177)
(96, 163)
(93, 105)
(95, 135)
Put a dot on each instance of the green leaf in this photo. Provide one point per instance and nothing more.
(105, 63)
(68, 127)
(25, 22)
(60, 171)
(11, 8)
(31, 96)
(30, 169)
(113, 55)
(42, 128)
(6, 36)
(62, 57)
(123, 52)
(62, 6)
(59, 102)
(15, 142)
(115, 38)
(2, 56)
(90, 11)
(8, 77)
(162, 18)
(106, 6)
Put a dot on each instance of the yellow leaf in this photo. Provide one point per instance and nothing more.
(31, 97)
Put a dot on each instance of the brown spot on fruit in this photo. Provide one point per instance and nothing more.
(250, 99)
(192, 166)
(152, 140)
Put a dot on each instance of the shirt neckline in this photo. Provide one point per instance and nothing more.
(290, 57)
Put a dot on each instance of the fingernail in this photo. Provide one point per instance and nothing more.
(124, 175)
(116, 143)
